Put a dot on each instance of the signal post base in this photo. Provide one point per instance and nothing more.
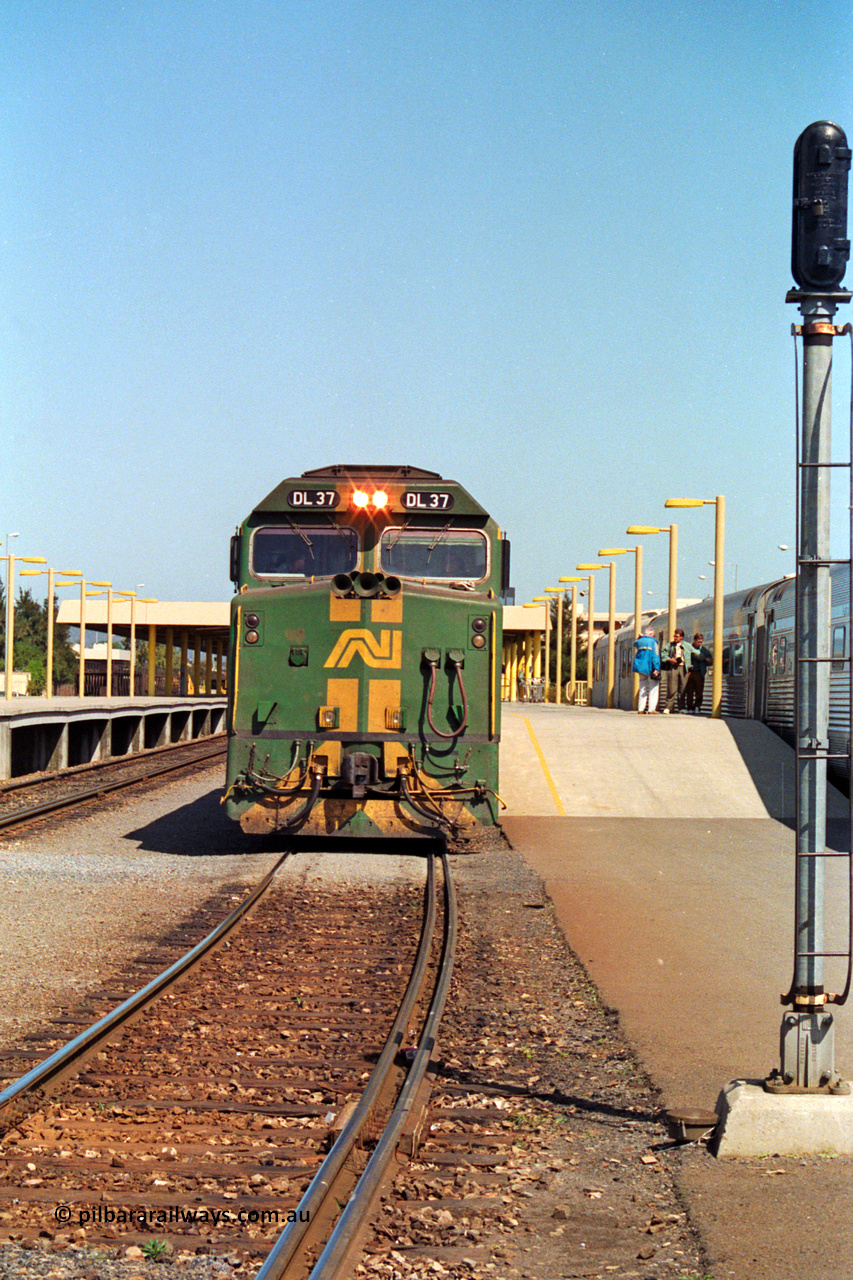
(756, 1123)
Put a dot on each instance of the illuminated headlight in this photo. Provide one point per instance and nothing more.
(395, 719)
(328, 717)
(478, 642)
(360, 498)
(380, 499)
(252, 637)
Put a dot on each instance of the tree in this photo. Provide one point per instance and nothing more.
(30, 648)
(581, 665)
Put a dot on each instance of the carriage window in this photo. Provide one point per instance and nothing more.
(727, 660)
(306, 552)
(780, 656)
(839, 636)
(442, 554)
(737, 660)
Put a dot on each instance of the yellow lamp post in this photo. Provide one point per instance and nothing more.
(637, 553)
(134, 599)
(527, 658)
(131, 596)
(611, 634)
(10, 610)
(109, 595)
(590, 644)
(36, 573)
(558, 654)
(152, 650)
(71, 574)
(538, 644)
(672, 530)
(573, 645)
(719, 546)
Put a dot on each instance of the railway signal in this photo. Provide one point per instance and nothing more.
(819, 253)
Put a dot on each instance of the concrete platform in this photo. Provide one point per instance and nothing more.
(42, 734)
(666, 846)
(596, 763)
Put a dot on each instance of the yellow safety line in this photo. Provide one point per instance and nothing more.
(545, 769)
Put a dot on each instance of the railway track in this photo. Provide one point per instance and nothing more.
(205, 1126)
(38, 796)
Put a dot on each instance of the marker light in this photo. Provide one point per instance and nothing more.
(380, 499)
(360, 498)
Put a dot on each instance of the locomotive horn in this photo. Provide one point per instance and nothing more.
(369, 584)
(341, 584)
(392, 586)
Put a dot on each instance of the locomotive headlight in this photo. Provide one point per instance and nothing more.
(478, 642)
(252, 637)
(360, 498)
(252, 619)
(479, 624)
(380, 499)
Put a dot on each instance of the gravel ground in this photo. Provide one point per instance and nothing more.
(87, 893)
(595, 1190)
(84, 894)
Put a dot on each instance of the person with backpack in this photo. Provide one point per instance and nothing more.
(647, 666)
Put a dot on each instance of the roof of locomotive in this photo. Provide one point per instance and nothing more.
(359, 473)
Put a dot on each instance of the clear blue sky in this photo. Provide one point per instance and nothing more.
(539, 247)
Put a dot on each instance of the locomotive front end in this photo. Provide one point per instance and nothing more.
(364, 649)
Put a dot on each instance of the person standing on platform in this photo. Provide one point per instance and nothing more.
(647, 666)
(694, 690)
(676, 657)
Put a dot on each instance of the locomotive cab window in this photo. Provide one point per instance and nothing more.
(443, 555)
(307, 552)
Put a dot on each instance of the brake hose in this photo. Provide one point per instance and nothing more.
(457, 666)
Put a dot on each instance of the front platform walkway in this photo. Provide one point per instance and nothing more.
(666, 844)
(666, 847)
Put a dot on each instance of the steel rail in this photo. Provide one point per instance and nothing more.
(66, 1060)
(289, 1242)
(103, 788)
(339, 1251)
(111, 762)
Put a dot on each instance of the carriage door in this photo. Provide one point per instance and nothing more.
(763, 625)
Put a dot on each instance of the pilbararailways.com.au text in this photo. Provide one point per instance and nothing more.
(107, 1215)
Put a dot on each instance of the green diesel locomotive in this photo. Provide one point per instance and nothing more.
(364, 664)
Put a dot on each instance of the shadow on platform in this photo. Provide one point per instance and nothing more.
(770, 762)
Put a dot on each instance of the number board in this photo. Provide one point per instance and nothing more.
(427, 500)
(313, 498)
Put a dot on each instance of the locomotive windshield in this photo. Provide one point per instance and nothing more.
(303, 552)
(446, 554)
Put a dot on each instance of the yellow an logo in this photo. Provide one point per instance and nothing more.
(386, 651)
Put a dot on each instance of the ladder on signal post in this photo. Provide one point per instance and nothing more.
(811, 753)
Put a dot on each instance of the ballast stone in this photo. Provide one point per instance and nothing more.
(756, 1123)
